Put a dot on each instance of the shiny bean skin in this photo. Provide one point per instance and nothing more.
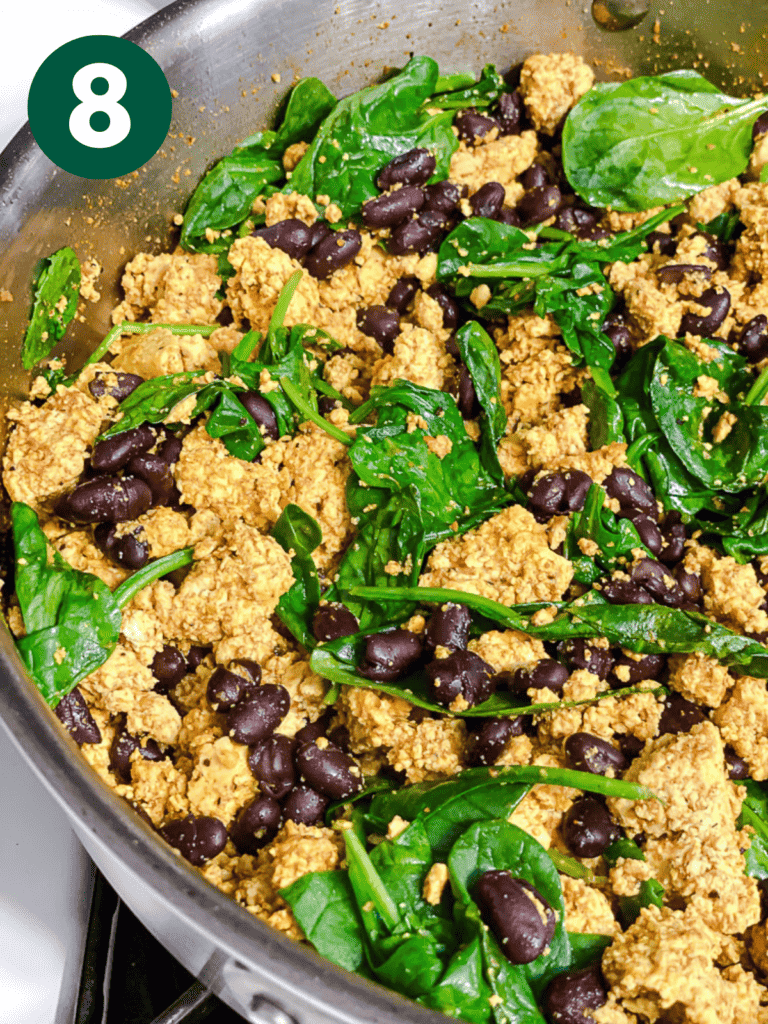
(127, 549)
(539, 204)
(318, 232)
(569, 995)
(328, 770)
(689, 582)
(196, 656)
(124, 384)
(488, 200)
(75, 716)
(717, 251)
(305, 806)
(752, 343)
(261, 411)
(577, 484)
(631, 491)
(662, 243)
(170, 450)
(719, 303)
(332, 621)
(271, 763)
(535, 177)
(658, 581)
(513, 909)
(389, 655)
(580, 654)
(256, 825)
(581, 223)
(625, 592)
(547, 673)
(226, 689)
(630, 745)
(106, 499)
(444, 196)
(156, 474)
(546, 496)
(737, 767)
(587, 827)
(674, 543)
(120, 750)
(472, 126)
(647, 529)
(380, 323)
(509, 113)
(508, 216)
(448, 305)
(291, 235)
(197, 839)
(312, 730)
(462, 673)
(393, 208)
(419, 234)
(627, 671)
(493, 738)
(412, 168)
(588, 753)
(256, 717)
(334, 252)
(760, 127)
(402, 294)
(251, 668)
(448, 626)
(674, 273)
(467, 401)
(169, 666)
(115, 452)
(679, 715)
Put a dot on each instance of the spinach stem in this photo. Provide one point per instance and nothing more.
(574, 869)
(361, 864)
(306, 410)
(759, 389)
(127, 327)
(283, 302)
(128, 589)
(638, 448)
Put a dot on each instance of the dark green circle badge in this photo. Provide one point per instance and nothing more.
(99, 106)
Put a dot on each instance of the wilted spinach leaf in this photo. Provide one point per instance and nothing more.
(460, 93)
(56, 291)
(298, 532)
(325, 908)
(754, 812)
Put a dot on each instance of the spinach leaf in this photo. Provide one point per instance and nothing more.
(460, 93)
(606, 422)
(615, 538)
(754, 812)
(297, 532)
(653, 140)
(725, 226)
(586, 949)
(651, 892)
(365, 131)
(325, 908)
(463, 991)
(481, 357)
(232, 422)
(56, 291)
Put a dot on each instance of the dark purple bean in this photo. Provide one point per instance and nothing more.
(126, 550)
(305, 806)
(488, 200)
(547, 495)
(448, 626)
(124, 384)
(332, 621)
(620, 337)
(402, 294)
(412, 168)
(156, 474)
(674, 543)
(381, 324)
(568, 996)
(389, 655)
(690, 583)
(291, 235)
(631, 746)
(419, 234)
(587, 827)
(625, 592)
(256, 717)
(170, 450)
(444, 196)
(760, 127)
(261, 411)
(169, 666)
(120, 750)
(510, 217)
(340, 737)
(679, 715)
(473, 126)
(318, 232)
(227, 689)
(752, 343)
(272, 765)
(493, 738)
(658, 581)
(674, 273)
(580, 654)
(509, 113)
(631, 491)
(256, 825)
(718, 303)
(115, 452)
(588, 753)
(328, 770)
(547, 673)
(333, 253)
(517, 914)
(539, 204)
(662, 243)
(577, 484)
(107, 499)
(648, 531)
(75, 716)
(569, 399)
(252, 669)
(452, 348)
(197, 839)
(393, 208)
(736, 766)
(462, 673)
(717, 251)
(312, 730)
(649, 666)
(467, 401)
(535, 177)
(449, 306)
(196, 656)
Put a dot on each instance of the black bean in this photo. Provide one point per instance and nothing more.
(570, 995)
(752, 343)
(760, 127)
(649, 666)
(517, 914)
(107, 499)
(661, 242)
(577, 484)
(547, 495)
(674, 543)
(252, 669)
(124, 384)
(197, 839)
(120, 750)
(690, 583)
(256, 825)
(156, 474)
(314, 729)
(256, 717)
(75, 716)
(462, 673)
(419, 234)
(291, 235)
(631, 491)
(630, 746)
(625, 592)
(509, 113)
(448, 626)
(736, 766)
(488, 200)
(127, 550)
(393, 208)
(679, 715)
(169, 666)
(272, 765)
(535, 177)
(467, 400)
(340, 737)
(318, 232)
(587, 827)
(305, 806)
(569, 399)
(705, 326)
(170, 450)
(412, 168)
(717, 251)
(380, 323)
(658, 581)
(577, 221)
(328, 770)
(493, 738)
(539, 204)
(509, 216)
(114, 452)
(444, 196)
(196, 656)
(588, 753)
(402, 293)
(547, 673)
(674, 273)
(226, 689)
(472, 126)
(332, 621)
(647, 529)
(580, 654)
(335, 251)
(389, 655)
(261, 411)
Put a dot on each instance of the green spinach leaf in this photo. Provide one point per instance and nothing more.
(754, 812)
(481, 357)
(324, 905)
(460, 93)
(54, 304)
(296, 531)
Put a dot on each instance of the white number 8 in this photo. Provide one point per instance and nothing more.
(80, 118)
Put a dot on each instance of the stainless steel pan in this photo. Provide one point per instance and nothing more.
(220, 55)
